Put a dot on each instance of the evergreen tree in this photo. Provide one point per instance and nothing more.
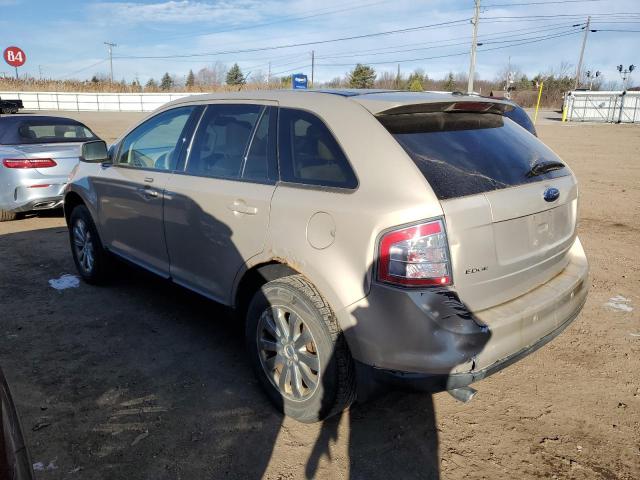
(151, 84)
(166, 82)
(235, 76)
(191, 80)
(415, 85)
(415, 82)
(362, 76)
(450, 84)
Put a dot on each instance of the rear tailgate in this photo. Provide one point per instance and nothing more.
(510, 205)
(508, 242)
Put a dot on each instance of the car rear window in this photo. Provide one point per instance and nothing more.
(55, 133)
(519, 116)
(468, 153)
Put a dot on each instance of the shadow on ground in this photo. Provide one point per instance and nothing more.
(143, 379)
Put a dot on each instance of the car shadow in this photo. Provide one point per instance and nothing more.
(396, 429)
(145, 379)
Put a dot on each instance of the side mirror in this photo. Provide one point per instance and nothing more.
(94, 152)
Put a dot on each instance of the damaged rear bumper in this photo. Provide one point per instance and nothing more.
(371, 379)
(429, 340)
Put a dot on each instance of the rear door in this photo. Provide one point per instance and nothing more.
(510, 204)
(216, 212)
(130, 191)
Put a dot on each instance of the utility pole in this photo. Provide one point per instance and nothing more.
(313, 65)
(110, 47)
(269, 75)
(584, 44)
(40, 71)
(474, 45)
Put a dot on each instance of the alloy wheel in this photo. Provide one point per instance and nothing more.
(288, 353)
(83, 245)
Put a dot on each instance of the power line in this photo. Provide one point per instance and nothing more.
(82, 69)
(491, 42)
(626, 31)
(291, 70)
(406, 60)
(485, 39)
(538, 3)
(566, 15)
(291, 45)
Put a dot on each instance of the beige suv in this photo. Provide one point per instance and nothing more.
(367, 238)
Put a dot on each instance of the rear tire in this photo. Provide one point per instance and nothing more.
(298, 351)
(7, 216)
(88, 254)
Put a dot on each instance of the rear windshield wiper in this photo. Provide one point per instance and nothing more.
(544, 167)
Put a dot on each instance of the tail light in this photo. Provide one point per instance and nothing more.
(28, 163)
(415, 256)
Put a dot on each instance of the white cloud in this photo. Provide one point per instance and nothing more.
(177, 11)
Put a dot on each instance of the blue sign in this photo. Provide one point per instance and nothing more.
(299, 81)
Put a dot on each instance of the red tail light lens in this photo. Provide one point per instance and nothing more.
(415, 256)
(28, 163)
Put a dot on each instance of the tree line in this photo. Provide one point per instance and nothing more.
(218, 77)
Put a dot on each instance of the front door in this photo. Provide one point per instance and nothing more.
(217, 210)
(130, 191)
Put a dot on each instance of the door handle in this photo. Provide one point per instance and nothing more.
(240, 206)
(147, 191)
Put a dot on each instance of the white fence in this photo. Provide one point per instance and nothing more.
(92, 102)
(613, 107)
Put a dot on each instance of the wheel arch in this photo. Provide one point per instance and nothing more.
(71, 200)
(256, 276)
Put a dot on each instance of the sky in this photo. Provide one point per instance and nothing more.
(65, 38)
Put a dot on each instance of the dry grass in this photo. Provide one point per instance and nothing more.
(550, 99)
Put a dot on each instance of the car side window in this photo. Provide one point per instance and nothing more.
(155, 143)
(261, 163)
(222, 139)
(309, 153)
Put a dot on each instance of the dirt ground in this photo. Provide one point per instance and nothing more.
(144, 380)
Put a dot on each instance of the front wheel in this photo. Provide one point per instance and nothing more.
(86, 248)
(298, 351)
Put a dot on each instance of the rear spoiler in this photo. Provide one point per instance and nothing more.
(464, 106)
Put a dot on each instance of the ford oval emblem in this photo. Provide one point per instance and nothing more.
(551, 194)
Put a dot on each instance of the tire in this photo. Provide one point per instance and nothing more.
(88, 254)
(7, 216)
(312, 350)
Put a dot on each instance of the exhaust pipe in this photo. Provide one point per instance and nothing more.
(463, 394)
(41, 205)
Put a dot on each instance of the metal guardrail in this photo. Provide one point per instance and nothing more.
(611, 107)
(92, 102)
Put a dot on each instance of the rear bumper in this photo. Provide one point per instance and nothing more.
(429, 340)
(32, 193)
(373, 379)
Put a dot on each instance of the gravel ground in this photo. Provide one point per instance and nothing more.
(144, 380)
